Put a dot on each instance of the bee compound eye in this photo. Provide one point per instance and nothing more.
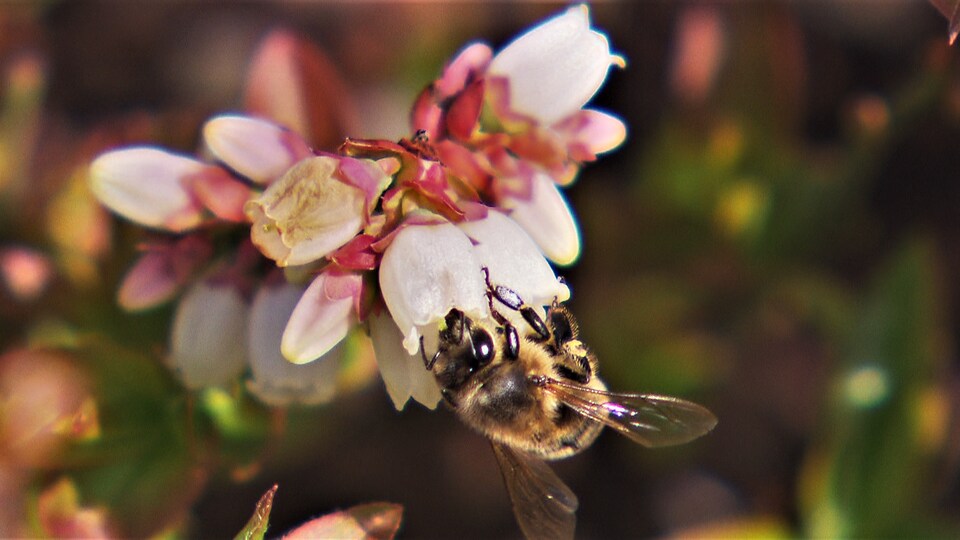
(483, 349)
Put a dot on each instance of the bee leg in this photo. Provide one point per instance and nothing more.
(563, 325)
(573, 367)
(511, 350)
(423, 353)
(512, 300)
(535, 322)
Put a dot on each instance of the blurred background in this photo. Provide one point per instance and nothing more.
(778, 239)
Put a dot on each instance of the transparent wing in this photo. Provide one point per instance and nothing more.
(647, 419)
(543, 505)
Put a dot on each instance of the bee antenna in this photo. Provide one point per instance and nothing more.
(539, 380)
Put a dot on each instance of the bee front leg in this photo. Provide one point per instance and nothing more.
(423, 353)
(512, 300)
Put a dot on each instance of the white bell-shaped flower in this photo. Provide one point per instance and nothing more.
(208, 339)
(547, 218)
(426, 271)
(404, 374)
(276, 380)
(556, 67)
(513, 259)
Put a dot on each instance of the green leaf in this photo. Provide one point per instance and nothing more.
(256, 528)
(866, 478)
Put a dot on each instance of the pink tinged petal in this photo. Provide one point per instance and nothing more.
(208, 340)
(463, 118)
(275, 380)
(426, 115)
(472, 167)
(162, 271)
(366, 175)
(293, 82)
(542, 146)
(426, 271)
(513, 259)
(358, 254)
(592, 132)
(514, 176)
(322, 318)
(372, 521)
(306, 214)
(473, 59)
(221, 193)
(556, 67)
(547, 219)
(254, 148)
(146, 185)
(403, 373)
(148, 283)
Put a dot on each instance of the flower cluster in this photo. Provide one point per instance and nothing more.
(376, 235)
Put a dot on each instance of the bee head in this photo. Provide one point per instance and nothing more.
(464, 348)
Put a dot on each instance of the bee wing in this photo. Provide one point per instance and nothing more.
(650, 420)
(543, 505)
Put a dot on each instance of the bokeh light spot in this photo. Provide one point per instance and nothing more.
(867, 386)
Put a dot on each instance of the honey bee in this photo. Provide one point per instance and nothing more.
(536, 396)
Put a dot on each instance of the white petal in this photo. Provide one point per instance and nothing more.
(426, 271)
(146, 185)
(264, 233)
(513, 259)
(555, 68)
(275, 380)
(318, 323)
(257, 149)
(208, 340)
(404, 374)
(548, 220)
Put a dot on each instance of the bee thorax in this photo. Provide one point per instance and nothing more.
(505, 395)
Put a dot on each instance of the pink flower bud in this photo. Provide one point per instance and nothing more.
(149, 186)
(254, 148)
